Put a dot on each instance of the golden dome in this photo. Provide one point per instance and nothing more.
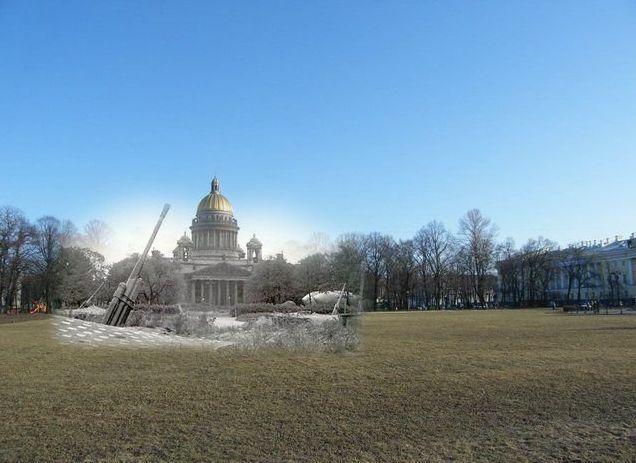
(215, 201)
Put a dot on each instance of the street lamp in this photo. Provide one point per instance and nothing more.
(613, 279)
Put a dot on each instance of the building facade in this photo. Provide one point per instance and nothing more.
(213, 264)
(607, 272)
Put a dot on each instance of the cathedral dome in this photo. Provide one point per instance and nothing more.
(215, 201)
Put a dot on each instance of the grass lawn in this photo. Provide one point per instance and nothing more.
(525, 385)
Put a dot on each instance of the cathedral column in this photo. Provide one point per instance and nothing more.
(192, 290)
(236, 292)
(227, 292)
(210, 292)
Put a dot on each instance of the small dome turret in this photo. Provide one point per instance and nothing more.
(254, 242)
(184, 240)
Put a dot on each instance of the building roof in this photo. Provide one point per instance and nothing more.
(222, 270)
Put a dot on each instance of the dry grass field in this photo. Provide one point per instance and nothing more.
(524, 385)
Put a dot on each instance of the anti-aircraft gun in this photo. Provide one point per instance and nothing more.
(124, 297)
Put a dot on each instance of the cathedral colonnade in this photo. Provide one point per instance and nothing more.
(216, 292)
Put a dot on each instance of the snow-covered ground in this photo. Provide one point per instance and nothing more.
(75, 331)
(204, 330)
(92, 310)
(228, 322)
(313, 317)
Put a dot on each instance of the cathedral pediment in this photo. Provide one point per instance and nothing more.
(222, 270)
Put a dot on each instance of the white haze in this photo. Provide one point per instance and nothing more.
(133, 222)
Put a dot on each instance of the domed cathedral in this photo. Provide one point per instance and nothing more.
(214, 265)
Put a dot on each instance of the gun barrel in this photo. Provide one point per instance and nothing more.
(142, 258)
(126, 293)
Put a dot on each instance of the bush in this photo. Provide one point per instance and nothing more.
(180, 323)
(260, 307)
(293, 333)
(157, 308)
(263, 307)
(320, 308)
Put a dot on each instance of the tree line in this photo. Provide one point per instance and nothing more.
(540, 272)
(436, 268)
(51, 261)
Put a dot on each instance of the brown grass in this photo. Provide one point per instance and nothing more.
(446, 386)
(21, 317)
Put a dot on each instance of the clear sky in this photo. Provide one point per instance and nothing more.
(322, 116)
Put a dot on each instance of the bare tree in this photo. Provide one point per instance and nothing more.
(508, 268)
(422, 250)
(162, 283)
(82, 272)
(575, 262)
(272, 281)
(16, 235)
(403, 272)
(312, 274)
(436, 247)
(96, 236)
(51, 235)
(391, 269)
(346, 262)
(374, 261)
(478, 242)
(537, 255)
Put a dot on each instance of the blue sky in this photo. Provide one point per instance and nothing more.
(322, 116)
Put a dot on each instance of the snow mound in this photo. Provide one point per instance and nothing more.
(227, 322)
(91, 310)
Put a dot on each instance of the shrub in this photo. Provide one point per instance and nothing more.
(157, 308)
(260, 307)
(293, 333)
(195, 324)
(241, 309)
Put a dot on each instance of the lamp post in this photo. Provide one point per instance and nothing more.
(613, 279)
